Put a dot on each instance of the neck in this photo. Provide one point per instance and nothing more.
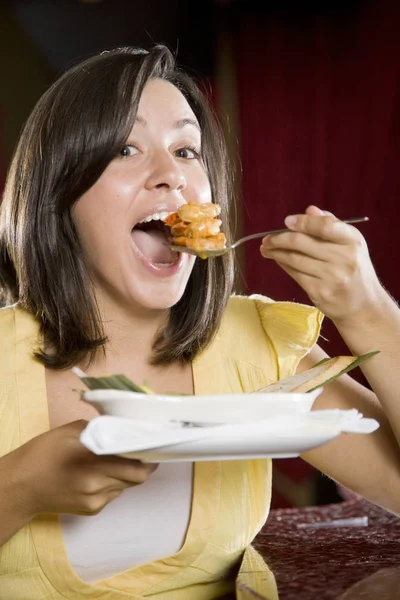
(130, 333)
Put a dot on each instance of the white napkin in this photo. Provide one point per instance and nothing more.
(115, 435)
(350, 421)
(111, 435)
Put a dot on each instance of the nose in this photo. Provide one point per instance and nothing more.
(166, 173)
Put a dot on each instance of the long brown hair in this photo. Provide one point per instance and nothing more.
(75, 130)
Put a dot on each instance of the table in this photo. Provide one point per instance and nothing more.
(328, 563)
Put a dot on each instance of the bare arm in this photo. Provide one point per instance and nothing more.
(367, 464)
(379, 329)
(54, 473)
(13, 506)
(330, 261)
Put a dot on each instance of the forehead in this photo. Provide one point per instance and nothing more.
(162, 99)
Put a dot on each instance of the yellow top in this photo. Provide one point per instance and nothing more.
(259, 342)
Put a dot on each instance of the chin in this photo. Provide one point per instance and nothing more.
(159, 297)
(163, 301)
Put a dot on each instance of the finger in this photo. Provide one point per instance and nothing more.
(313, 247)
(297, 262)
(109, 485)
(305, 244)
(323, 227)
(126, 469)
(95, 504)
(314, 210)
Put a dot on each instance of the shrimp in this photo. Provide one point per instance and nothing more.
(202, 228)
(179, 229)
(172, 219)
(192, 211)
(214, 242)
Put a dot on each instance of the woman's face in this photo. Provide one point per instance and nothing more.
(157, 170)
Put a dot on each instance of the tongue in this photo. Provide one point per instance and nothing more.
(153, 245)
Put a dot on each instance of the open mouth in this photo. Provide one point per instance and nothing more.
(152, 237)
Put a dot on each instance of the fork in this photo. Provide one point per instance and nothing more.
(221, 251)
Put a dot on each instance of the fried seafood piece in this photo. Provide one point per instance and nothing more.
(215, 242)
(179, 229)
(192, 211)
(172, 219)
(201, 228)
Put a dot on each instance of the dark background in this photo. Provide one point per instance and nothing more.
(309, 97)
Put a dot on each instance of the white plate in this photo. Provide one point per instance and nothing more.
(213, 409)
(248, 445)
(279, 437)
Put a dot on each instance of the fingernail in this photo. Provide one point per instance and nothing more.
(290, 221)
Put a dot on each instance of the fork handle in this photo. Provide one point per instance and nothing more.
(253, 236)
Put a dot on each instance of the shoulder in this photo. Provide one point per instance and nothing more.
(8, 370)
(289, 320)
(259, 341)
(18, 340)
(281, 314)
(7, 325)
(15, 324)
(8, 342)
(288, 329)
(241, 325)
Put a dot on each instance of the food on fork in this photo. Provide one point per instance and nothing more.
(192, 211)
(200, 228)
(196, 226)
(215, 242)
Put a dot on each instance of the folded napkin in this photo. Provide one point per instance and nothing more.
(351, 421)
(116, 435)
(111, 435)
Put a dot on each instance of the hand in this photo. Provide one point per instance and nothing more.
(55, 473)
(329, 259)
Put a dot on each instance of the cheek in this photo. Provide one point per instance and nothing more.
(206, 196)
(93, 223)
(199, 188)
(101, 206)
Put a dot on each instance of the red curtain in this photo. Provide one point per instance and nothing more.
(319, 98)
(320, 117)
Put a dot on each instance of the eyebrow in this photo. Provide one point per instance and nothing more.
(183, 122)
(180, 124)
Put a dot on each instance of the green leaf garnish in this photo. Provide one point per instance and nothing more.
(357, 362)
(113, 382)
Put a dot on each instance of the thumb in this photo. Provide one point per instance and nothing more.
(315, 211)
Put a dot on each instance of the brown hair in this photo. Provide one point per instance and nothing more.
(75, 130)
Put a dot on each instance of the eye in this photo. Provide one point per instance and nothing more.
(188, 153)
(128, 150)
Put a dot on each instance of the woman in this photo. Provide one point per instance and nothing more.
(118, 142)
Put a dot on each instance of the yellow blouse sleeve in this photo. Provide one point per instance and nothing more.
(292, 330)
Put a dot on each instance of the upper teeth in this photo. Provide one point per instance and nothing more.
(160, 216)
